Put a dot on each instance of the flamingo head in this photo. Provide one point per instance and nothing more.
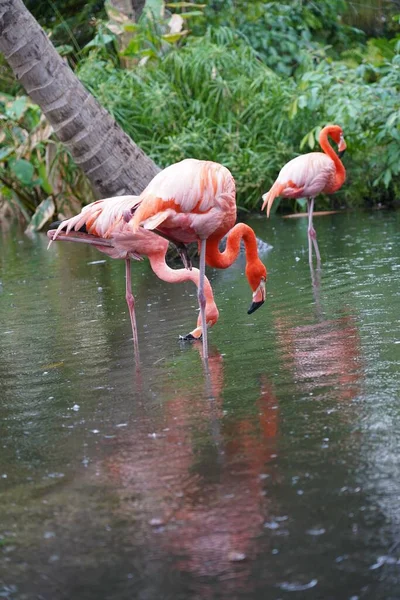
(256, 274)
(212, 315)
(336, 133)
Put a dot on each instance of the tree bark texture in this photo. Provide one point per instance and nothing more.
(109, 158)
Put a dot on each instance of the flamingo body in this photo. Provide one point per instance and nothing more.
(311, 174)
(307, 176)
(195, 200)
(189, 200)
(104, 225)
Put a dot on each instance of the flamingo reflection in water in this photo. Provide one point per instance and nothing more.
(202, 480)
(324, 352)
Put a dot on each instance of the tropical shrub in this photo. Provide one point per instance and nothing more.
(37, 174)
(286, 35)
(209, 99)
(213, 98)
(248, 84)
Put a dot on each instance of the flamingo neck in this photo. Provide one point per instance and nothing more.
(223, 260)
(327, 148)
(164, 272)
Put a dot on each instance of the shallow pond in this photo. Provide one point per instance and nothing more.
(276, 476)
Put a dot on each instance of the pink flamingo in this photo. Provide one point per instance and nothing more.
(309, 175)
(194, 201)
(103, 224)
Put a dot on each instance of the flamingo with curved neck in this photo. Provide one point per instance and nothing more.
(195, 201)
(103, 224)
(255, 270)
(311, 174)
(164, 272)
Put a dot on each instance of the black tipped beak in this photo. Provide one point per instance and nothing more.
(340, 154)
(188, 338)
(254, 306)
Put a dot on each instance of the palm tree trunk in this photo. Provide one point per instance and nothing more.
(109, 158)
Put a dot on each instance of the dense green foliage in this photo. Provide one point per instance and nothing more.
(225, 96)
(285, 34)
(210, 99)
(250, 84)
(71, 22)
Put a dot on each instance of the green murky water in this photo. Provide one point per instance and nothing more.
(278, 476)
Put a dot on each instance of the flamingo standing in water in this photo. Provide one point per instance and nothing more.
(103, 224)
(311, 174)
(194, 201)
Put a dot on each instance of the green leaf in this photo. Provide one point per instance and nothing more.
(308, 139)
(302, 203)
(17, 108)
(4, 152)
(64, 49)
(23, 170)
(6, 192)
(43, 213)
(100, 40)
(44, 182)
(393, 118)
(387, 177)
(173, 37)
(19, 203)
(131, 27)
(132, 48)
(192, 13)
(293, 109)
(154, 7)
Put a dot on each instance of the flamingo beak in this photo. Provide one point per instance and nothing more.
(342, 146)
(196, 334)
(258, 298)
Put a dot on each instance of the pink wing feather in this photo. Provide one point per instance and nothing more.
(109, 230)
(101, 217)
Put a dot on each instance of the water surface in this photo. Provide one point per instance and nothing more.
(278, 476)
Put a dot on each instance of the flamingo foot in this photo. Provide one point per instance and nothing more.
(196, 334)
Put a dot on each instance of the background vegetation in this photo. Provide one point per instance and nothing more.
(248, 84)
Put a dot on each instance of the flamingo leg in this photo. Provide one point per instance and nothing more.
(202, 298)
(130, 300)
(312, 235)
